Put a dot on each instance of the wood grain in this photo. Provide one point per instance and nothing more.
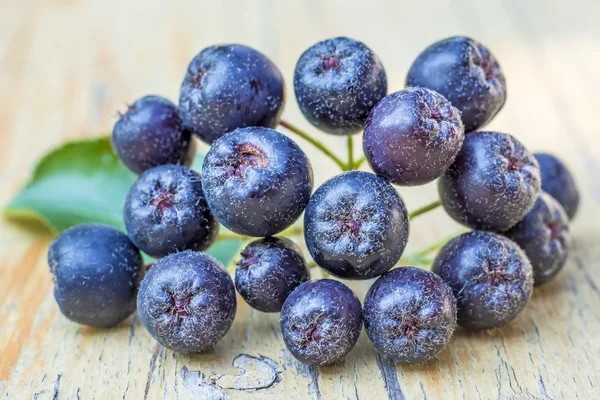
(67, 66)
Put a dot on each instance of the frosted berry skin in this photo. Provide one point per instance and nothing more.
(257, 181)
(492, 184)
(410, 315)
(558, 182)
(321, 321)
(337, 82)
(412, 136)
(356, 226)
(466, 73)
(187, 301)
(151, 132)
(165, 211)
(490, 275)
(268, 271)
(229, 87)
(544, 236)
(97, 272)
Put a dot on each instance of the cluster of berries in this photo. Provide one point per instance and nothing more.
(257, 182)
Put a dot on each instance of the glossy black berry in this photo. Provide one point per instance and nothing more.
(412, 136)
(356, 226)
(229, 87)
(321, 321)
(151, 132)
(257, 181)
(558, 182)
(466, 73)
(492, 184)
(165, 212)
(490, 275)
(410, 315)
(187, 301)
(544, 236)
(337, 82)
(97, 272)
(268, 271)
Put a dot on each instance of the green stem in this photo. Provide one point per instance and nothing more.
(294, 230)
(229, 236)
(314, 142)
(350, 164)
(359, 162)
(421, 257)
(424, 209)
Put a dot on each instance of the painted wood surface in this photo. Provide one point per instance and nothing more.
(67, 66)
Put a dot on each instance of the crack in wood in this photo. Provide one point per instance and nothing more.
(587, 276)
(56, 387)
(390, 378)
(310, 371)
(196, 384)
(157, 350)
(255, 373)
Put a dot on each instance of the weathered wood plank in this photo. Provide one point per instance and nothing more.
(67, 66)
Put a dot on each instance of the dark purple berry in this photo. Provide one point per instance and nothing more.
(492, 184)
(165, 212)
(97, 272)
(187, 301)
(490, 275)
(337, 82)
(410, 315)
(558, 182)
(151, 133)
(230, 87)
(356, 225)
(269, 270)
(321, 321)
(257, 181)
(544, 236)
(412, 136)
(466, 73)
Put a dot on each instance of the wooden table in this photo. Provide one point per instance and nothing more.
(67, 66)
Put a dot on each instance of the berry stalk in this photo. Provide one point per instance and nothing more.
(426, 208)
(350, 166)
(292, 231)
(314, 142)
(359, 162)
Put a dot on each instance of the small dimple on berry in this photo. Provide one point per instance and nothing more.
(247, 260)
(514, 163)
(331, 62)
(247, 156)
(555, 227)
(180, 308)
(256, 85)
(163, 200)
(349, 225)
(408, 327)
(197, 78)
(498, 276)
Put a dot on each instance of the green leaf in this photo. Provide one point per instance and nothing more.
(226, 250)
(81, 182)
